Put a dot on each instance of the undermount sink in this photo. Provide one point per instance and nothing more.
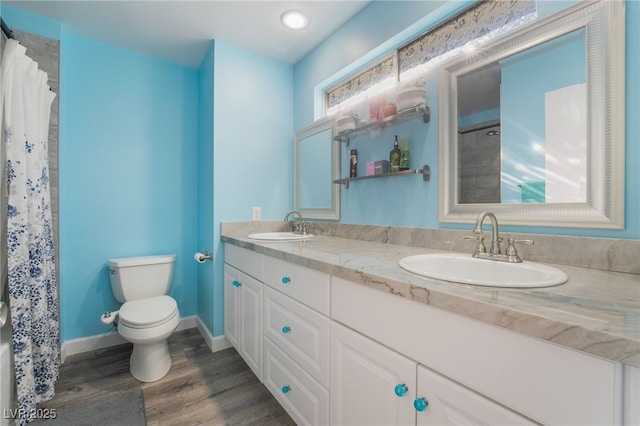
(462, 268)
(279, 236)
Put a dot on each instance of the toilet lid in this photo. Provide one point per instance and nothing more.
(147, 312)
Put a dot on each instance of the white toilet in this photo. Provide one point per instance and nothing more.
(148, 316)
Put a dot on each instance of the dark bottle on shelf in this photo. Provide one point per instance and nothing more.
(353, 170)
(394, 157)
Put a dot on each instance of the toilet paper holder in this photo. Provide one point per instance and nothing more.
(201, 257)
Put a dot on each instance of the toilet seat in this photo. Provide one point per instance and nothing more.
(146, 313)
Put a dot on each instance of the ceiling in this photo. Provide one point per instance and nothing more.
(181, 31)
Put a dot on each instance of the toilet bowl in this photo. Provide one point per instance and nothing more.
(147, 323)
(148, 315)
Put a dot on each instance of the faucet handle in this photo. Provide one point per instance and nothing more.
(512, 253)
(480, 247)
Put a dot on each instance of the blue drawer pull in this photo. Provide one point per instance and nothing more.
(236, 283)
(420, 404)
(286, 389)
(286, 329)
(286, 280)
(401, 389)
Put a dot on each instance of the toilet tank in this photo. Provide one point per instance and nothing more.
(140, 277)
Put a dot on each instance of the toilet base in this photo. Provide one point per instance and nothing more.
(150, 362)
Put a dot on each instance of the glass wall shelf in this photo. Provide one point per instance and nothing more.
(425, 171)
(405, 114)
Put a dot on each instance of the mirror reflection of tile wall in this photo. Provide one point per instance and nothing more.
(479, 168)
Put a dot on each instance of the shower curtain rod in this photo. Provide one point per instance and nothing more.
(6, 30)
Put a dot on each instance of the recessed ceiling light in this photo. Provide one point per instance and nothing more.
(294, 19)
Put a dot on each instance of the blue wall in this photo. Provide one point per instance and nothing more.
(253, 146)
(145, 157)
(128, 139)
(154, 155)
(407, 201)
(205, 187)
(127, 174)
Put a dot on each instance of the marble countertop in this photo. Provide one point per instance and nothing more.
(597, 312)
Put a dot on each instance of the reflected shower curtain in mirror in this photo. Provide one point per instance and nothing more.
(25, 110)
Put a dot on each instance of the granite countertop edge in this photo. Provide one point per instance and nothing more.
(557, 314)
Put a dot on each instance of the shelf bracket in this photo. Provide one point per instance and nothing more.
(426, 173)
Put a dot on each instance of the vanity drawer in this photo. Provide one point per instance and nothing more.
(306, 401)
(305, 285)
(245, 260)
(302, 333)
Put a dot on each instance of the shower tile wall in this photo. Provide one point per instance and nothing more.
(479, 167)
(46, 52)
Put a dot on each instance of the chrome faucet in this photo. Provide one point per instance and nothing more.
(297, 227)
(495, 239)
(511, 254)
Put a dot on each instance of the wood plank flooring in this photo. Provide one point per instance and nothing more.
(202, 388)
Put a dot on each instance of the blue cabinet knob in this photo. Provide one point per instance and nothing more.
(401, 389)
(236, 283)
(286, 329)
(420, 404)
(286, 389)
(286, 280)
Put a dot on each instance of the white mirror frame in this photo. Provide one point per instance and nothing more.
(328, 213)
(604, 23)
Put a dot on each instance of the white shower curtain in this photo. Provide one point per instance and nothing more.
(25, 109)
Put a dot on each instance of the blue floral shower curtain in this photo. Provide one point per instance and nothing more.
(25, 109)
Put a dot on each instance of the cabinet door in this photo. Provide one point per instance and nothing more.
(450, 403)
(251, 324)
(243, 316)
(232, 305)
(364, 377)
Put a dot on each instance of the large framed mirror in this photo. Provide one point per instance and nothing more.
(532, 125)
(316, 165)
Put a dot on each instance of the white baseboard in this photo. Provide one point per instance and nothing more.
(112, 338)
(215, 343)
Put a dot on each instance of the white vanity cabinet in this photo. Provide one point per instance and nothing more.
(296, 340)
(243, 316)
(443, 402)
(546, 383)
(243, 306)
(335, 352)
(364, 376)
(374, 385)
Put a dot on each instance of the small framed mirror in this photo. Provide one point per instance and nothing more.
(316, 164)
(532, 125)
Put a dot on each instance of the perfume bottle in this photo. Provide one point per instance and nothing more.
(394, 157)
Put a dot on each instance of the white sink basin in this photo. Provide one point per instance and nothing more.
(279, 236)
(462, 268)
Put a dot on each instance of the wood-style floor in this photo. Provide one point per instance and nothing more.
(202, 388)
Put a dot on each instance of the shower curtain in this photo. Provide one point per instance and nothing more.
(25, 106)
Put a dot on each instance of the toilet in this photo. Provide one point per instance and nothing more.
(148, 315)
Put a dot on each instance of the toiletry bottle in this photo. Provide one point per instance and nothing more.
(353, 170)
(394, 157)
(404, 154)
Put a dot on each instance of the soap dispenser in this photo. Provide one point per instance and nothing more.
(394, 157)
